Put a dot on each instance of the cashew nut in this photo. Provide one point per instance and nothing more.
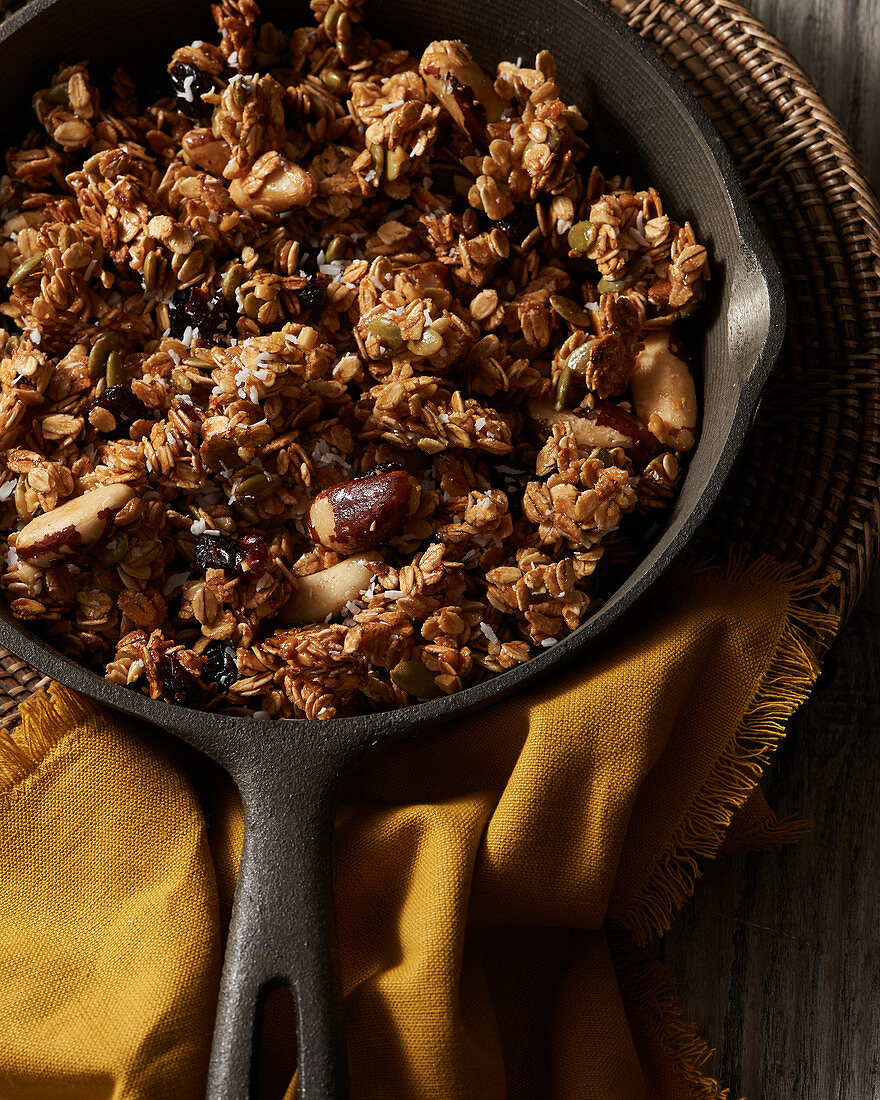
(587, 431)
(66, 529)
(663, 392)
(326, 593)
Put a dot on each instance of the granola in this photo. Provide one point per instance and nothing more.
(335, 380)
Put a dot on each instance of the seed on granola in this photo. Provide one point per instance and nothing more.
(232, 280)
(614, 286)
(258, 486)
(570, 311)
(331, 18)
(151, 270)
(106, 342)
(113, 371)
(334, 80)
(377, 156)
(335, 250)
(563, 383)
(416, 680)
(395, 159)
(582, 236)
(387, 332)
(430, 343)
(25, 268)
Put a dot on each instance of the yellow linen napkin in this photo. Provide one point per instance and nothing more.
(496, 880)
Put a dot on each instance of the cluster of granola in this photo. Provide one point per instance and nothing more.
(327, 381)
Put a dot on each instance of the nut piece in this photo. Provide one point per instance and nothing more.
(273, 186)
(326, 593)
(663, 392)
(66, 529)
(364, 513)
(462, 87)
(606, 426)
(202, 149)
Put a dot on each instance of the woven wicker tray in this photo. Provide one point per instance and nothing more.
(807, 489)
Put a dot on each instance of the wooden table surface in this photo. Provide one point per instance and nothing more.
(778, 954)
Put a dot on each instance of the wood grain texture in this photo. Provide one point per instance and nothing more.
(778, 954)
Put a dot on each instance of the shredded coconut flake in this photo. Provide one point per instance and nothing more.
(489, 633)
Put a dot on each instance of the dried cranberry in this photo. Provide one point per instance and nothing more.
(178, 685)
(220, 665)
(252, 554)
(518, 223)
(192, 308)
(189, 83)
(215, 551)
(124, 405)
(314, 293)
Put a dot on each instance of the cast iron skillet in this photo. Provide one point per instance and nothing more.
(288, 773)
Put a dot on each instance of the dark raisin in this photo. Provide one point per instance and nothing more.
(252, 554)
(178, 685)
(124, 405)
(215, 551)
(189, 83)
(220, 666)
(314, 293)
(518, 223)
(192, 308)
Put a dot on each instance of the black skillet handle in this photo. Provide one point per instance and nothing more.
(283, 928)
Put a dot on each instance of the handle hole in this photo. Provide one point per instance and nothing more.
(275, 1042)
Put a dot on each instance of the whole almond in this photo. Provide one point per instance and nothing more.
(365, 513)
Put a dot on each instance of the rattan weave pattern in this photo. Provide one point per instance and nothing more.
(808, 488)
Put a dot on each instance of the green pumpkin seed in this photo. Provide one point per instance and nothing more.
(113, 551)
(247, 513)
(25, 268)
(91, 165)
(114, 372)
(252, 306)
(614, 286)
(239, 95)
(377, 154)
(394, 162)
(562, 386)
(462, 185)
(475, 198)
(413, 678)
(570, 311)
(257, 487)
(335, 250)
(181, 380)
(582, 236)
(334, 80)
(430, 343)
(388, 333)
(579, 359)
(151, 270)
(603, 456)
(232, 280)
(331, 19)
(106, 342)
(198, 364)
(57, 94)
